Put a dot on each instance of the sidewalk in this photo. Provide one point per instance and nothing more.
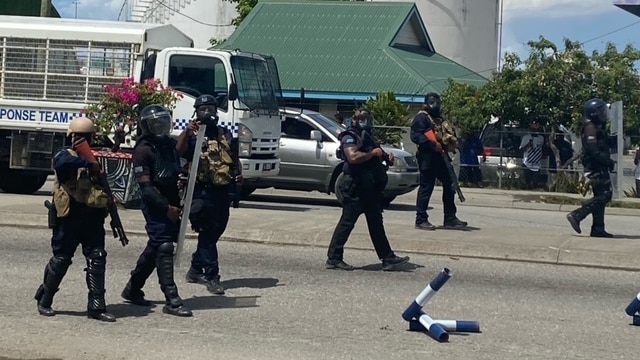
(308, 219)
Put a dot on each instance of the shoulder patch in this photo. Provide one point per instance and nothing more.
(138, 169)
(349, 140)
(591, 137)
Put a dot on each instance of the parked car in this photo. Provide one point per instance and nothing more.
(502, 150)
(308, 159)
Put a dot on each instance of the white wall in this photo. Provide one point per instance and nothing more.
(465, 31)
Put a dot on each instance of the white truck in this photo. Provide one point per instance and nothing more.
(51, 69)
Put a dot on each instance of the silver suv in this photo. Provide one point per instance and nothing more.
(308, 159)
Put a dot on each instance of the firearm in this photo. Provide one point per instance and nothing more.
(83, 149)
(454, 177)
(52, 214)
(385, 157)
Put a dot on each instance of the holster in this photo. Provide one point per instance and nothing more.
(52, 214)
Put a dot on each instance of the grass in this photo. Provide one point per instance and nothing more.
(566, 200)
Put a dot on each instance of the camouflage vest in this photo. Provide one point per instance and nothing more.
(445, 133)
(84, 188)
(215, 161)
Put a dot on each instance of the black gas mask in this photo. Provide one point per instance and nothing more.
(207, 114)
(433, 104)
(365, 121)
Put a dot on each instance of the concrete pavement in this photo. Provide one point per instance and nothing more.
(507, 225)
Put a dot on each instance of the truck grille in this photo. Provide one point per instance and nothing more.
(264, 146)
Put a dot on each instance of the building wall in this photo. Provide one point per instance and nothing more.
(465, 31)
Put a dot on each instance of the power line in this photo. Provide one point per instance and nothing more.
(497, 68)
(189, 17)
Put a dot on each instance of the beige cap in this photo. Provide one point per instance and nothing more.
(81, 125)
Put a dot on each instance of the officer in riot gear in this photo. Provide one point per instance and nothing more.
(218, 169)
(428, 133)
(361, 186)
(80, 207)
(156, 166)
(597, 162)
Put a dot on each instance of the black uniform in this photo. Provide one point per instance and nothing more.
(597, 164)
(432, 167)
(362, 187)
(83, 225)
(158, 160)
(210, 214)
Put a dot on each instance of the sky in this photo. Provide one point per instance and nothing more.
(524, 20)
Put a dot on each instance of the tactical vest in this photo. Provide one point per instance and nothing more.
(215, 161)
(84, 188)
(445, 133)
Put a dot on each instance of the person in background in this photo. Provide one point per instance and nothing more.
(470, 149)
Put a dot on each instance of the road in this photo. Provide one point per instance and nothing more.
(282, 304)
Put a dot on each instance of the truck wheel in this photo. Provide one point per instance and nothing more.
(22, 182)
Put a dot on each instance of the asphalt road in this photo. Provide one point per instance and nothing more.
(282, 304)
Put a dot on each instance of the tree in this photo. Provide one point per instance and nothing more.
(389, 112)
(551, 84)
(243, 7)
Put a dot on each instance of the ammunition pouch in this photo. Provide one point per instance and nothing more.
(83, 189)
(52, 215)
(215, 162)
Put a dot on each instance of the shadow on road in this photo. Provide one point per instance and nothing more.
(124, 310)
(6, 358)
(632, 237)
(273, 207)
(466, 228)
(408, 267)
(220, 302)
(253, 283)
(298, 200)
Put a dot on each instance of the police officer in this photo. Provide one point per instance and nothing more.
(81, 207)
(428, 133)
(218, 169)
(597, 162)
(156, 166)
(362, 185)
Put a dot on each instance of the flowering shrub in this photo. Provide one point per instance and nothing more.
(119, 107)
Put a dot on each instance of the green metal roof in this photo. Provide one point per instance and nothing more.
(348, 47)
(24, 8)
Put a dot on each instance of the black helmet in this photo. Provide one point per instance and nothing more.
(206, 109)
(205, 99)
(596, 111)
(433, 103)
(155, 120)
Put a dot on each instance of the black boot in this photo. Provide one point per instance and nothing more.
(454, 222)
(214, 286)
(195, 276)
(53, 274)
(598, 231)
(164, 264)
(144, 268)
(96, 305)
(574, 219)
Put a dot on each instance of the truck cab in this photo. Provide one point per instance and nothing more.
(52, 69)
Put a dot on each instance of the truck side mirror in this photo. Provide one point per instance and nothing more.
(233, 92)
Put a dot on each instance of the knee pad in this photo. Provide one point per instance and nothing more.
(166, 248)
(59, 264)
(97, 259)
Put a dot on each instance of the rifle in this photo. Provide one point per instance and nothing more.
(454, 177)
(83, 149)
(385, 157)
(52, 214)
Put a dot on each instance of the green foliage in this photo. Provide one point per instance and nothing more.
(243, 7)
(632, 193)
(214, 41)
(551, 85)
(122, 103)
(388, 111)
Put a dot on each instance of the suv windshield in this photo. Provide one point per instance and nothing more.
(327, 123)
(255, 87)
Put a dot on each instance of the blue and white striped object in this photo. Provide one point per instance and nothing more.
(634, 306)
(434, 329)
(413, 311)
(461, 326)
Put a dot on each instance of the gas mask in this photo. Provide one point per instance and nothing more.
(207, 114)
(433, 105)
(365, 121)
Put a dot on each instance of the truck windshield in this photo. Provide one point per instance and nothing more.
(255, 87)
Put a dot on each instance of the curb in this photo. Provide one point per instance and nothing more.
(551, 256)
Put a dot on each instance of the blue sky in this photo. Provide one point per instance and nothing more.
(524, 20)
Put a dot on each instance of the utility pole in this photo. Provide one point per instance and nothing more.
(76, 4)
(45, 8)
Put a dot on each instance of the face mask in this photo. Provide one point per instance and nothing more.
(434, 105)
(365, 122)
(160, 126)
(207, 114)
